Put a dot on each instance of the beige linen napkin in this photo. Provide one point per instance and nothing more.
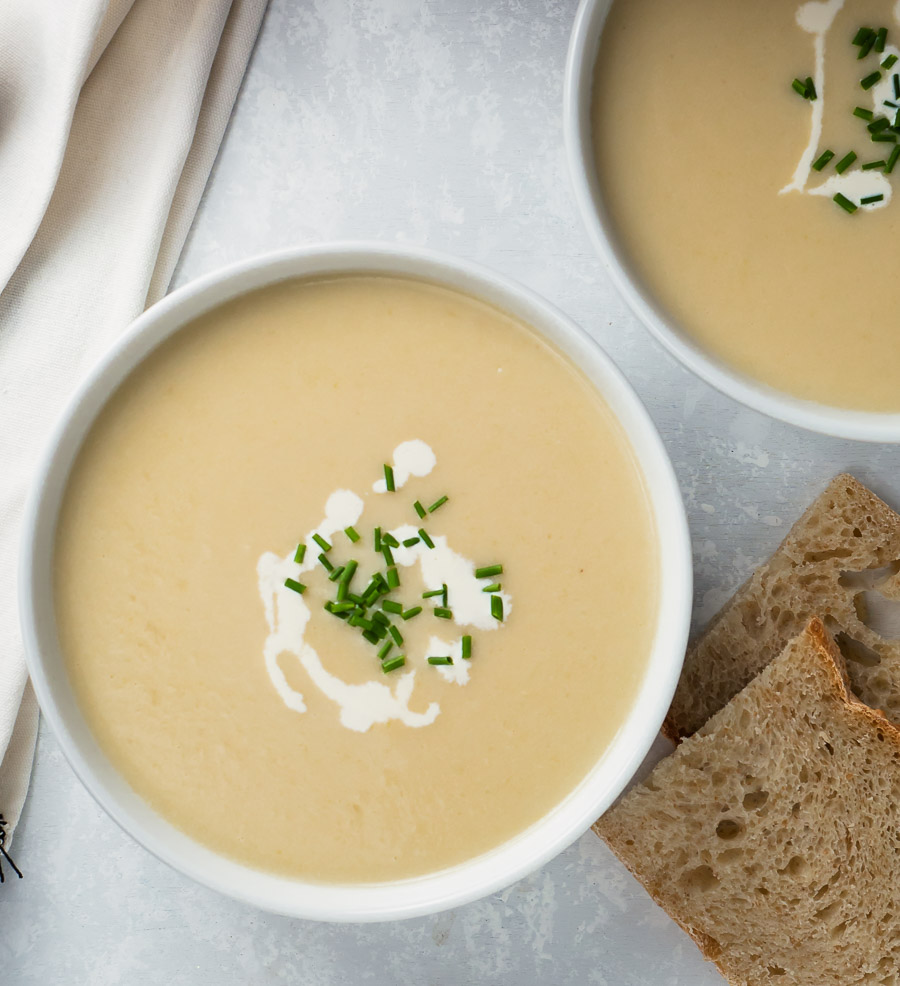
(111, 114)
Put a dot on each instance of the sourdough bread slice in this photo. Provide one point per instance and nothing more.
(846, 530)
(772, 834)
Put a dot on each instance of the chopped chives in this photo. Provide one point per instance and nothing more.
(862, 35)
(381, 618)
(321, 542)
(388, 555)
(869, 199)
(847, 206)
(349, 570)
(392, 606)
(420, 510)
(295, 585)
(866, 46)
(385, 649)
(354, 598)
(497, 607)
(409, 542)
(340, 607)
(426, 540)
(393, 578)
(488, 570)
(326, 564)
(892, 160)
(395, 633)
(884, 138)
(863, 113)
(342, 591)
(880, 39)
(351, 533)
(802, 89)
(390, 540)
(356, 620)
(378, 539)
(393, 663)
(389, 479)
(370, 636)
(870, 81)
(336, 573)
(887, 102)
(873, 165)
(440, 660)
(493, 587)
(442, 613)
(299, 553)
(810, 88)
(896, 81)
(438, 503)
(466, 647)
(889, 62)
(444, 593)
(433, 592)
(380, 630)
(882, 123)
(408, 614)
(843, 164)
(822, 160)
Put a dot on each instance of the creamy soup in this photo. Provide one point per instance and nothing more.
(705, 158)
(194, 624)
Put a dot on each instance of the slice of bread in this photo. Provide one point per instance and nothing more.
(772, 835)
(847, 529)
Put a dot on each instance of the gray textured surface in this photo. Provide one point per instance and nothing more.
(435, 123)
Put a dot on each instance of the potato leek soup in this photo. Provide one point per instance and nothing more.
(747, 154)
(355, 578)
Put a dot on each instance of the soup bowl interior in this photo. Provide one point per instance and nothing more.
(577, 100)
(403, 898)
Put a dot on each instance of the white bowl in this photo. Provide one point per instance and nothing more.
(582, 57)
(405, 898)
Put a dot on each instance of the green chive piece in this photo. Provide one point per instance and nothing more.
(409, 542)
(433, 592)
(408, 614)
(896, 80)
(393, 663)
(442, 613)
(862, 35)
(884, 138)
(880, 39)
(395, 633)
(391, 606)
(341, 591)
(873, 165)
(497, 607)
(420, 510)
(466, 647)
(381, 618)
(321, 542)
(843, 164)
(822, 160)
(869, 199)
(863, 113)
(870, 80)
(438, 503)
(351, 533)
(393, 578)
(390, 540)
(440, 660)
(385, 649)
(340, 607)
(378, 539)
(811, 93)
(349, 570)
(799, 88)
(299, 553)
(370, 636)
(336, 573)
(866, 46)
(892, 160)
(426, 540)
(295, 585)
(326, 564)
(887, 102)
(488, 570)
(388, 555)
(493, 587)
(354, 598)
(847, 206)
(882, 123)
(444, 593)
(389, 479)
(889, 62)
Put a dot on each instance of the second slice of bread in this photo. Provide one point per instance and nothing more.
(772, 835)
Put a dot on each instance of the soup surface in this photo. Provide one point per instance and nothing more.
(704, 156)
(265, 726)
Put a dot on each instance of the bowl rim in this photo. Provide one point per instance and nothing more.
(473, 878)
(837, 422)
